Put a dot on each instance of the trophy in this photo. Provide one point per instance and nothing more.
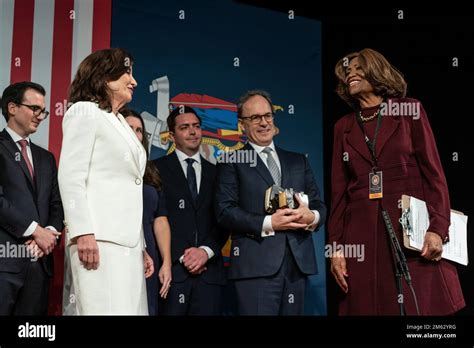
(277, 197)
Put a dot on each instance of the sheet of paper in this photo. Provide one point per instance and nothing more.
(456, 249)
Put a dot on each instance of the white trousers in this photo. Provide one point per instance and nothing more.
(117, 287)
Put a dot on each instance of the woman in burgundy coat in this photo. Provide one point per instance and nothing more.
(406, 154)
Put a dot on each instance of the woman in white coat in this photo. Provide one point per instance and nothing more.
(100, 179)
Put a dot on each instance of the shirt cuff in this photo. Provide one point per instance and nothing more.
(208, 251)
(311, 227)
(267, 228)
(29, 231)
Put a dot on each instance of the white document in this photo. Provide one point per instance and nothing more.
(454, 250)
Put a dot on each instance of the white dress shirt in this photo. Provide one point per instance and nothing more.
(196, 165)
(16, 138)
(267, 228)
(198, 170)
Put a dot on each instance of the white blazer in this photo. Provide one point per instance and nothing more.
(100, 176)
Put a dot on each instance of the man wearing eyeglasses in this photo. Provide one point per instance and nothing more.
(271, 254)
(31, 212)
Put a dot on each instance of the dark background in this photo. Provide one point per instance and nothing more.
(422, 46)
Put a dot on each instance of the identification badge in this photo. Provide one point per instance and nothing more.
(375, 185)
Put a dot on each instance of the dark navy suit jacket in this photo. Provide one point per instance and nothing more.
(192, 224)
(240, 206)
(22, 201)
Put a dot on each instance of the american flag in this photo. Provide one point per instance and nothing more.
(44, 41)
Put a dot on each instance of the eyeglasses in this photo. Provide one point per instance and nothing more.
(37, 111)
(255, 119)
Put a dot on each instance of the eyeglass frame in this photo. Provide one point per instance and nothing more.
(256, 119)
(36, 107)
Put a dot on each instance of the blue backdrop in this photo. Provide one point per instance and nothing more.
(207, 54)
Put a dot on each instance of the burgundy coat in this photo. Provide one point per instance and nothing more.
(408, 157)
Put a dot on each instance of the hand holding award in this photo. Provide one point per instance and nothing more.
(289, 209)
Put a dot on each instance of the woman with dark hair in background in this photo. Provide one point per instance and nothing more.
(100, 179)
(390, 134)
(155, 222)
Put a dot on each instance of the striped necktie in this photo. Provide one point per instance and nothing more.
(272, 166)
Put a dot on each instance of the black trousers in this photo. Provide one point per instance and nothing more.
(193, 296)
(280, 294)
(26, 292)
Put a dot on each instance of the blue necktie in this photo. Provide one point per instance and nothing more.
(191, 176)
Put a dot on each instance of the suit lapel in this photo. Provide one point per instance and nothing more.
(261, 168)
(38, 165)
(206, 184)
(122, 127)
(284, 164)
(138, 150)
(355, 138)
(9, 144)
(388, 127)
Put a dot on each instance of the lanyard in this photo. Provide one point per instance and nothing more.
(371, 144)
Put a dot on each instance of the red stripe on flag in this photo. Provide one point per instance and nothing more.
(61, 70)
(101, 25)
(60, 81)
(22, 43)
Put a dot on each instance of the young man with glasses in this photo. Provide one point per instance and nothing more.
(271, 254)
(31, 212)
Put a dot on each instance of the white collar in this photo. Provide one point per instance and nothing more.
(259, 148)
(15, 136)
(182, 156)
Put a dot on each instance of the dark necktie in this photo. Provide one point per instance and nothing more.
(191, 176)
(23, 144)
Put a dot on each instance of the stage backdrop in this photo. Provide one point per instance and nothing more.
(206, 54)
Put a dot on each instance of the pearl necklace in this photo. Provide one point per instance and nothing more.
(368, 118)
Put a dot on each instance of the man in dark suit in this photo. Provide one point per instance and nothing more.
(31, 212)
(271, 255)
(188, 184)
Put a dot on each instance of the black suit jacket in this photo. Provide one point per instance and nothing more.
(192, 224)
(22, 201)
(240, 206)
